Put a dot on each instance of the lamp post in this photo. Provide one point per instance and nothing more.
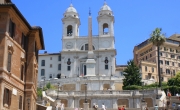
(85, 85)
(156, 91)
(58, 91)
(143, 92)
(44, 82)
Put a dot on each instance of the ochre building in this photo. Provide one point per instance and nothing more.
(145, 55)
(19, 45)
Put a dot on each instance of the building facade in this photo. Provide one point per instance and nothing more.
(75, 48)
(88, 66)
(19, 45)
(169, 58)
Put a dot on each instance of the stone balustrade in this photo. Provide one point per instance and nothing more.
(103, 93)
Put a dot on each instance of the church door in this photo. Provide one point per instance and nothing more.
(58, 76)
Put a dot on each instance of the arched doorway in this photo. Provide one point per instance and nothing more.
(81, 101)
(149, 102)
(106, 86)
(65, 102)
(123, 102)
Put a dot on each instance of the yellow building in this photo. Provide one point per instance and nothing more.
(145, 55)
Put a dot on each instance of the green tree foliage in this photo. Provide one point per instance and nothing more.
(132, 76)
(157, 37)
(174, 84)
(39, 92)
(48, 86)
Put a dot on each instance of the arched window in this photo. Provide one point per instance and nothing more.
(85, 47)
(69, 30)
(105, 28)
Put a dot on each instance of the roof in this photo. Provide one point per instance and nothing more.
(10, 4)
(46, 54)
(105, 7)
(17, 11)
(40, 34)
(71, 9)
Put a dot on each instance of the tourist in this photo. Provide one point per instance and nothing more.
(57, 106)
(103, 107)
(62, 106)
(95, 106)
(119, 108)
(123, 108)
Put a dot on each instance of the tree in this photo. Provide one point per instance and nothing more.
(157, 38)
(132, 76)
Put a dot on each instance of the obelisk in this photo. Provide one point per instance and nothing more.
(90, 62)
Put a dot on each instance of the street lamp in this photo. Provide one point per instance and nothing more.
(58, 91)
(156, 91)
(143, 92)
(44, 82)
(85, 101)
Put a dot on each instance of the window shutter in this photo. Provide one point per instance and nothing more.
(10, 28)
(10, 94)
(22, 72)
(13, 29)
(9, 62)
(22, 41)
(20, 102)
(4, 97)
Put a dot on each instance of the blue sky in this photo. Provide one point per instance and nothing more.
(134, 20)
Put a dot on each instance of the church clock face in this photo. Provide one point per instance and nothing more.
(69, 45)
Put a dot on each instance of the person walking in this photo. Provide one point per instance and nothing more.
(62, 106)
(103, 107)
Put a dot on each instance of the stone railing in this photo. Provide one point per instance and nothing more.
(102, 93)
(77, 79)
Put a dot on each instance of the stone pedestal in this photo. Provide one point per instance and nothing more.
(86, 106)
(90, 67)
(143, 105)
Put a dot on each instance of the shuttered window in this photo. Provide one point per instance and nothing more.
(22, 72)
(20, 102)
(7, 97)
(9, 62)
(22, 41)
(12, 28)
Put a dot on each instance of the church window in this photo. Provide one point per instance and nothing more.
(85, 47)
(106, 63)
(42, 72)
(59, 58)
(105, 28)
(68, 64)
(69, 30)
(43, 63)
(82, 48)
(59, 67)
